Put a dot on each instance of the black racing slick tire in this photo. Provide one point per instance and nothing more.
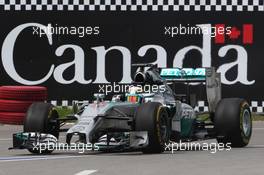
(41, 118)
(153, 118)
(233, 122)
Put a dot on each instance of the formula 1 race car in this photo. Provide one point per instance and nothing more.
(144, 121)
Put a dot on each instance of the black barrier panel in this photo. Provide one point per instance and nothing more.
(77, 41)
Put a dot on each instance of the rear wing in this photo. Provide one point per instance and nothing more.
(184, 74)
(208, 76)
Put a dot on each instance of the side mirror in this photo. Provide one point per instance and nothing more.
(99, 97)
(119, 97)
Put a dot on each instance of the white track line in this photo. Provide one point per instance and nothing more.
(86, 172)
(30, 158)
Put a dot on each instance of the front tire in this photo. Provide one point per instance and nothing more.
(233, 122)
(41, 117)
(153, 118)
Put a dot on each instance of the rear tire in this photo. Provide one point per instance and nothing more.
(233, 122)
(153, 118)
(41, 117)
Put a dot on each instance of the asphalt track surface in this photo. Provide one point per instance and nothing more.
(239, 161)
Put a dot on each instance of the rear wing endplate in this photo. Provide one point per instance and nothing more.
(184, 74)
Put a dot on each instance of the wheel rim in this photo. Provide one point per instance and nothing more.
(246, 122)
(52, 124)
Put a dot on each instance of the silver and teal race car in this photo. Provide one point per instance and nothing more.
(143, 121)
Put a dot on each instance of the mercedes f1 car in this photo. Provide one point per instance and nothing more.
(145, 121)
